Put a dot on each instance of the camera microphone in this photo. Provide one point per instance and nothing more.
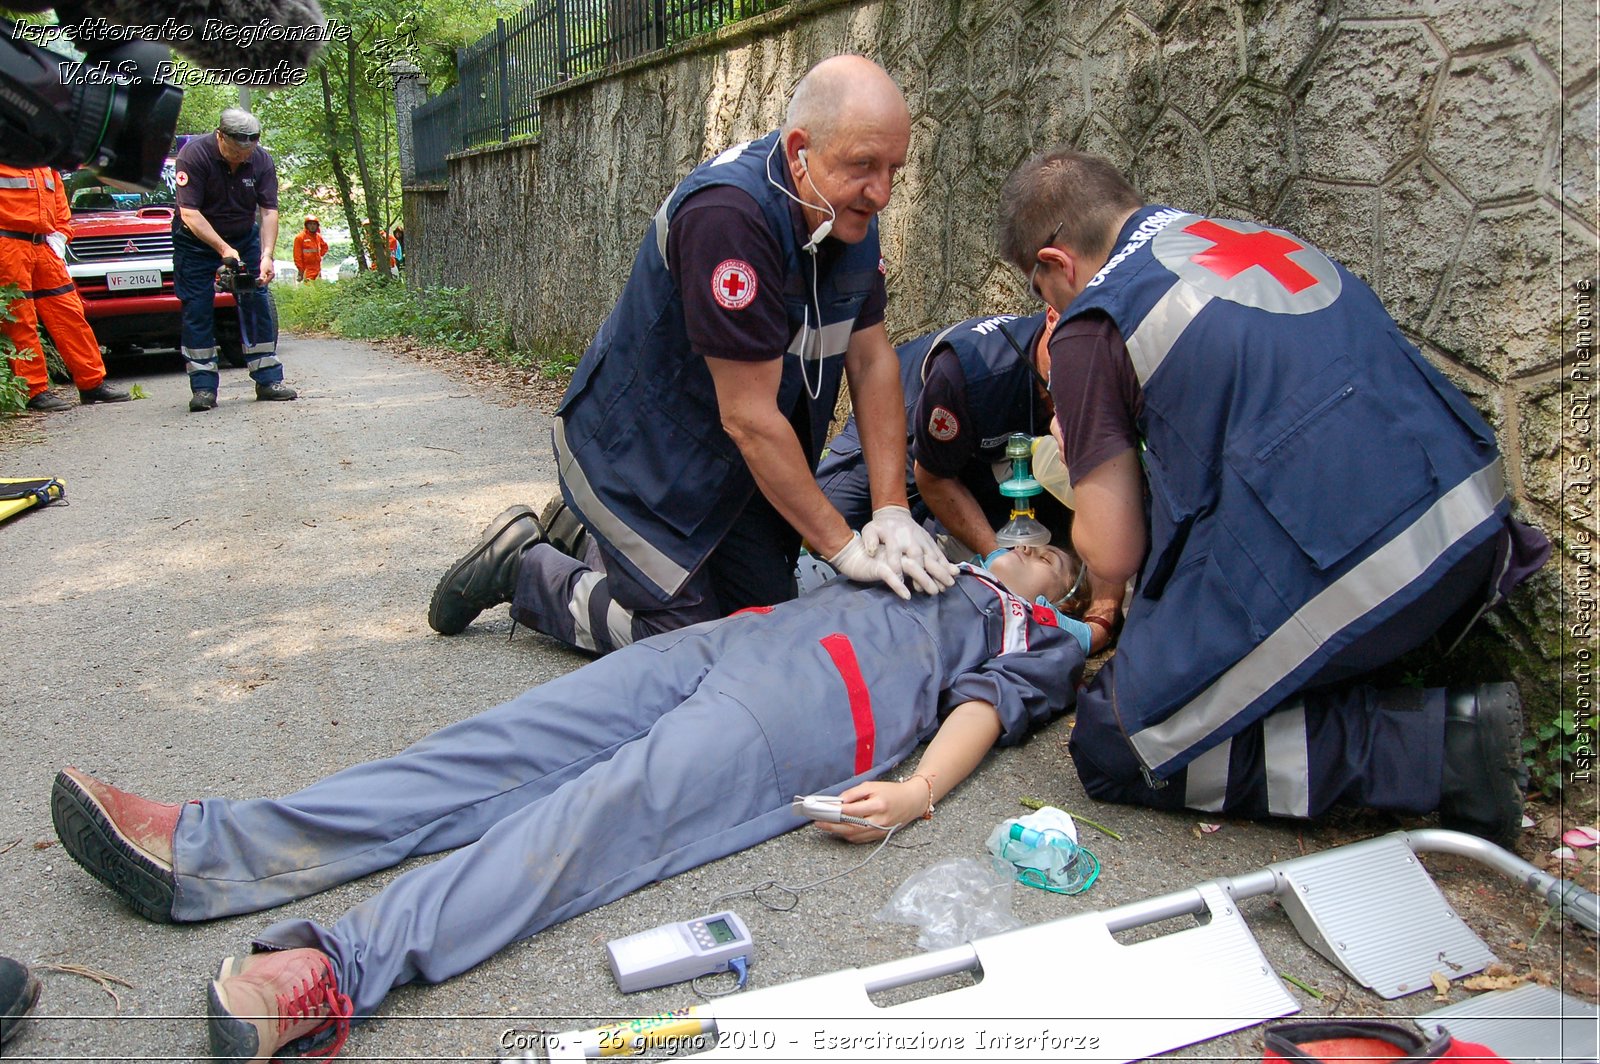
(270, 36)
(116, 111)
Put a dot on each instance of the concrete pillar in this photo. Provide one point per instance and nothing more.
(410, 92)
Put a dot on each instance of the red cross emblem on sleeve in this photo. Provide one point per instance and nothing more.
(733, 284)
(942, 425)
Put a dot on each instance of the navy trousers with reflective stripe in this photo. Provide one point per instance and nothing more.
(194, 271)
(1333, 741)
(598, 607)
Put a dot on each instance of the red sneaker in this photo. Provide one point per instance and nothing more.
(262, 1002)
(122, 840)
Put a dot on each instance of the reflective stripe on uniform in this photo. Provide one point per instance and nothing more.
(1376, 579)
(264, 362)
(1205, 784)
(829, 340)
(1151, 342)
(1287, 754)
(643, 555)
(200, 359)
(46, 293)
(619, 620)
(661, 222)
(15, 182)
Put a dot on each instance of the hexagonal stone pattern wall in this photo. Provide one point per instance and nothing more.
(1444, 150)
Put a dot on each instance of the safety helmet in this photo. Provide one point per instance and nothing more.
(312, 218)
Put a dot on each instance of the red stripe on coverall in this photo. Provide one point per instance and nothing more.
(844, 659)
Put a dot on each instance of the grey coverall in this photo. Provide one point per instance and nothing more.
(691, 743)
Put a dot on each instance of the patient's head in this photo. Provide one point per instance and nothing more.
(1034, 571)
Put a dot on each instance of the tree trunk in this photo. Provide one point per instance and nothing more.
(340, 178)
(380, 246)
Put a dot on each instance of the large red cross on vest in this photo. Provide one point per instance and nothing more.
(1233, 252)
(733, 284)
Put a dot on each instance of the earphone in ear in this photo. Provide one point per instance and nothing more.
(820, 233)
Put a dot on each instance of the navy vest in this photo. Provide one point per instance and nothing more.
(639, 443)
(996, 362)
(1307, 468)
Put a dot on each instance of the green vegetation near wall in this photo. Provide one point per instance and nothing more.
(369, 308)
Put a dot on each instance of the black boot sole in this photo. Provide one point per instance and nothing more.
(231, 1038)
(93, 841)
(449, 611)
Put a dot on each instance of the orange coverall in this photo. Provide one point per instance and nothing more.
(33, 204)
(309, 248)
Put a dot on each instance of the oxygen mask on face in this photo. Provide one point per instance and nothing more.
(1023, 529)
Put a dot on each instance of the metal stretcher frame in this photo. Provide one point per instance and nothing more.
(1368, 907)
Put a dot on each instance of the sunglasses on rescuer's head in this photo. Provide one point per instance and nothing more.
(1033, 274)
(243, 138)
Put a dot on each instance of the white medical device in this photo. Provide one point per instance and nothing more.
(827, 807)
(673, 953)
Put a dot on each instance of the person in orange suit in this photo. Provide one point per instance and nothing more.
(309, 247)
(383, 238)
(35, 225)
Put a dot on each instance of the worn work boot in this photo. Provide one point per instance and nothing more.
(103, 393)
(122, 840)
(562, 529)
(276, 392)
(487, 575)
(1484, 774)
(48, 402)
(260, 1003)
(203, 399)
(19, 989)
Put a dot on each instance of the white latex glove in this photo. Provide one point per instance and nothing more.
(58, 244)
(854, 562)
(894, 536)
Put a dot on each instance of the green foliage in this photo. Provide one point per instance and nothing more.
(203, 102)
(13, 389)
(368, 308)
(1550, 748)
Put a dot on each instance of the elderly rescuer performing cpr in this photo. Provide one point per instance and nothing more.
(867, 676)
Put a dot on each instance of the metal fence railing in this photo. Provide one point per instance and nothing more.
(500, 76)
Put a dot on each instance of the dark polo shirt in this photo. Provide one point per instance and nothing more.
(228, 198)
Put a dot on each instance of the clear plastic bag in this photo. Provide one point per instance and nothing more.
(1051, 471)
(954, 901)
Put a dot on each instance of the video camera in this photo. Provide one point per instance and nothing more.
(117, 110)
(111, 112)
(232, 278)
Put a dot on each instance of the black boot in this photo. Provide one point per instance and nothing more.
(1484, 773)
(19, 989)
(562, 529)
(487, 575)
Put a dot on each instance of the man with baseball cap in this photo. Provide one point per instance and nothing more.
(223, 182)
